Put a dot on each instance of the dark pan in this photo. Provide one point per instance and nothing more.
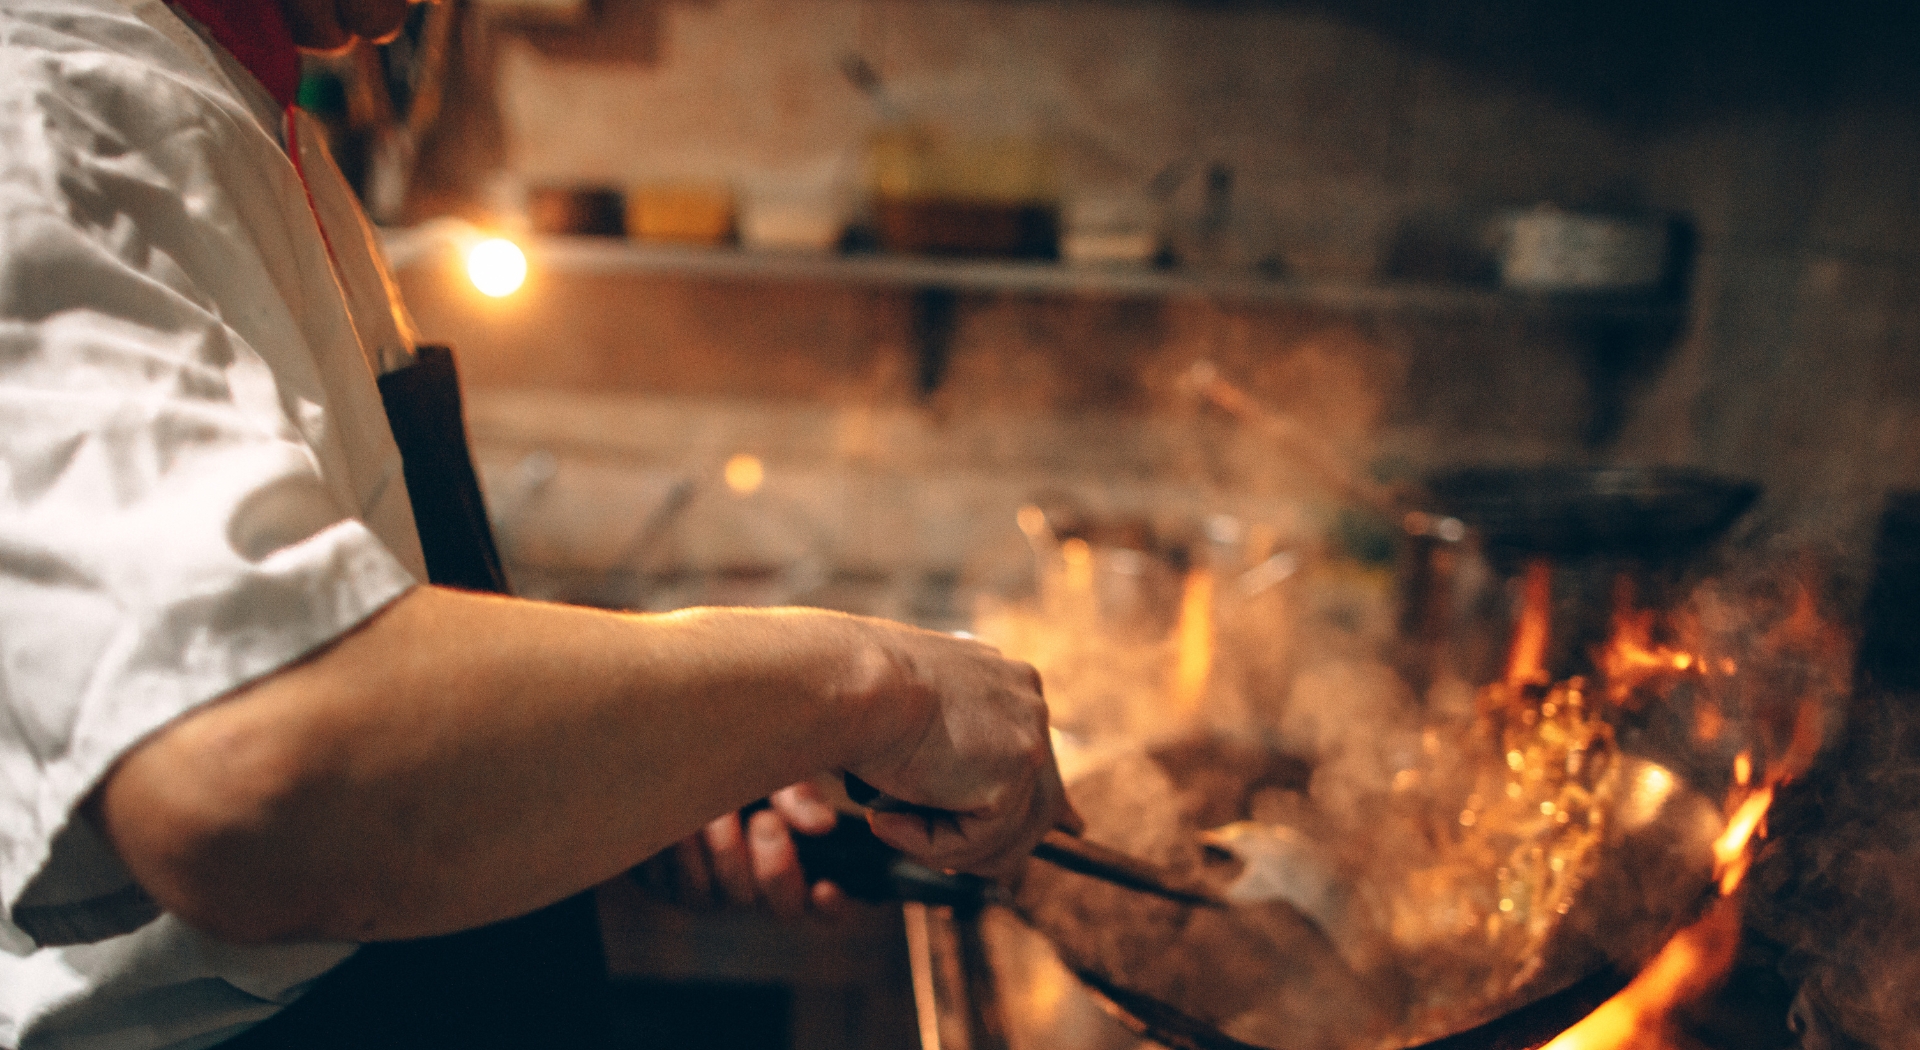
(1522, 1029)
(1575, 511)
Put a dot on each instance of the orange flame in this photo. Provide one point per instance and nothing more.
(1696, 961)
(1194, 661)
(1631, 659)
(1731, 857)
(1691, 966)
(1528, 663)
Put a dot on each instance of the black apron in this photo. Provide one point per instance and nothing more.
(535, 981)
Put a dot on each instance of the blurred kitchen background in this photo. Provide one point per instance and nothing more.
(821, 293)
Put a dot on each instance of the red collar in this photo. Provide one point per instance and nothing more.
(255, 32)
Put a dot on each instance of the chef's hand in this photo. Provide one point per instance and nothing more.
(750, 861)
(971, 740)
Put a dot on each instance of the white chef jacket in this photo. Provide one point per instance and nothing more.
(197, 483)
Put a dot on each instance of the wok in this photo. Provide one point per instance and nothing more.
(1655, 876)
(1292, 973)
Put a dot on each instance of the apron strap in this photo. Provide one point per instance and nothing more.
(429, 425)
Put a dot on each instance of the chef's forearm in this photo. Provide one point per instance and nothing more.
(461, 759)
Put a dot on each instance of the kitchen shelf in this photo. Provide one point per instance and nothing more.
(595, 255)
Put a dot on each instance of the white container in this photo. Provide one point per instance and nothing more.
(1545, 249)
(791, 225)
(797, 210)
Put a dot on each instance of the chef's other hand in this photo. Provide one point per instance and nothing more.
(748, 861)
(972, 740)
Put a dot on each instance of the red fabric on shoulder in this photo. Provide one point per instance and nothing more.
(255, 32)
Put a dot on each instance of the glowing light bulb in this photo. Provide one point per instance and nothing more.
(497, 267)
(745, 473)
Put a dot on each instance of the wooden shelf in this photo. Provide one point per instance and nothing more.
(595, 255)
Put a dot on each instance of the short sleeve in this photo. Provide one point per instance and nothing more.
(169, 528)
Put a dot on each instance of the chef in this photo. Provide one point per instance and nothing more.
(262, 783)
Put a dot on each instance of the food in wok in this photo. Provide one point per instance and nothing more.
(1469, 893)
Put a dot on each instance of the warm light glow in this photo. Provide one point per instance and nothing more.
(1743, 769)
(497, 267)
(1730, 854)
(745, 474)
(1652, 787)
(1656, 782)
(1195, 634)
(1528, 663)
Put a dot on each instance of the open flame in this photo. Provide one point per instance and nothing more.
(1698, 958)
(1632, 659)
(1689, 967)
(1526, 842)
(1692, 964)
(1528, 663)
(1193, 661)
(1731, 855)
(1485, 909)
